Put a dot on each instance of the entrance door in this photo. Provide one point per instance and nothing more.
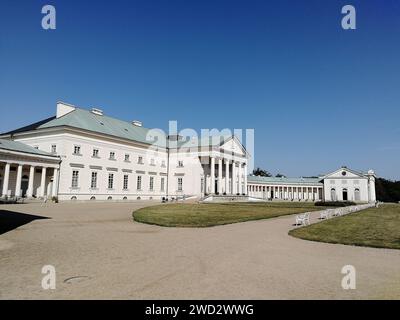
(216, 186)
(345, 198)
(24, 185)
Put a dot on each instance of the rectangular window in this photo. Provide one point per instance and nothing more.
(53, 148)
(93, 181)
(112, 155)
(75, 179)
(180, 163)
(77, 150)
(127, 157)
(95, 153)
(126, 180)
(139, 183)
(162, 184)
(110, 181)
(140, 160)
(151, 186)
(180, 184)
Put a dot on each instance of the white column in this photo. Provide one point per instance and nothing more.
(18, 182)
(234, 191)
(29, 193)
(55, 183)
(43, 182)
(212, 175)
(245, 177)
(220, 175)
(227, 176)
(6, 180)
(240, 178)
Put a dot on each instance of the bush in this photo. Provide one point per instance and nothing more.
(335, 203)
(54, 199)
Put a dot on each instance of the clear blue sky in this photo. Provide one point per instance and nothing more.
(317, 96)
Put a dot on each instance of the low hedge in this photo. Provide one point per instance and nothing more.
(335, 203)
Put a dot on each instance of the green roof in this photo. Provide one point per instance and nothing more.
(283, 180)
(21, 147)
(87, 120)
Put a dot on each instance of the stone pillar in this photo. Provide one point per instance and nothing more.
(6, 180)
(55, 183)
(227, 176)
(220, 175)
(43, 182)
(212, 175)
(240, 178)
(234, 191)
(18, 181)
(29, 192)
(245, 177)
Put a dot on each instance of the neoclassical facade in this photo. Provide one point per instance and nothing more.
(26, 171)
(81, 154)
(343, 184)
(102, 158)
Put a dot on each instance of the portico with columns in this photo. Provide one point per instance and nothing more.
(226, 175)
(27, 172)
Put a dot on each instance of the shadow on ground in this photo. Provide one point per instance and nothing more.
(10, 220)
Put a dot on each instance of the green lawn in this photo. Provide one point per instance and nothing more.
(375, 227)
(207, 215)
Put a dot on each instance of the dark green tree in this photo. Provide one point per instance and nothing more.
(261, 173)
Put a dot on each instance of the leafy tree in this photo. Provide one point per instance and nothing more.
(387, 190)
(261, 173)
(280, 175)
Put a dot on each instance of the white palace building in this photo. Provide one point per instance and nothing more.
(85, 155)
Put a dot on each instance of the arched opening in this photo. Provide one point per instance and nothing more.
(138, 198)
(125, 198)
(73, 198)
(93, 198)
(333, 194)
(357, 196)
(345, 196)
(109, 198)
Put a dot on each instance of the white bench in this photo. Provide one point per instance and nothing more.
(326, 214)
(303, 219)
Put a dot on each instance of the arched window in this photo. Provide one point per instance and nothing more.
(73, 198)
(109, 198)
(333, 194)
(93, 198)
(125, 198)
(357, 196)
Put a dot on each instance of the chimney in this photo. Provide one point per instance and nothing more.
(96, 111)
(63, 109)
(137, 123)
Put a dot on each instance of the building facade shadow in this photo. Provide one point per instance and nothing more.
(10, 220)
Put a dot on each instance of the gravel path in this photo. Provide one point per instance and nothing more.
(99, 253)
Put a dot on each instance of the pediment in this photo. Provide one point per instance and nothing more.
(344, 173)
(233, 146)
